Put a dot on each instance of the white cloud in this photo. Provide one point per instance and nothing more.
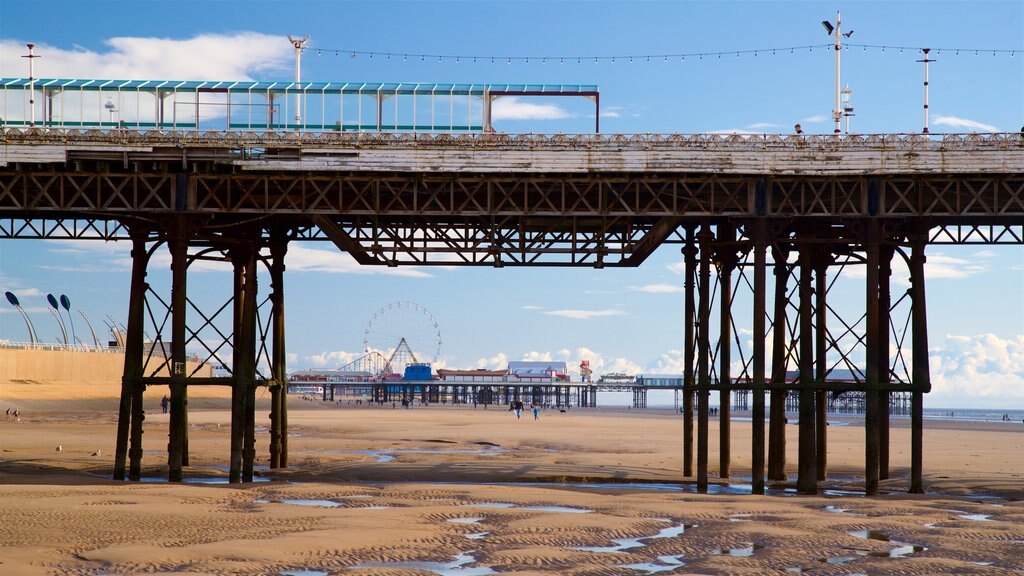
(978, 370)
(938, 266)
(656, 288)
(237, 56)
(531, 307)
(497, 362)
(678, 267)
(816, 118)
(964, 124)
(512, 108)
(763, 125)
(301, 258)
(584, 314)
(331, 359)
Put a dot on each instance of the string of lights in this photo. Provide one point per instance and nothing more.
(641, 58)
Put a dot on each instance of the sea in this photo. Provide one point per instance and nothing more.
(664, 399)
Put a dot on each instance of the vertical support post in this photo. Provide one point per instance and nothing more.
(757, 416)
(777, 418)
(178, 243)
(130, 413)
(247, 383)
(919, 371)
(703, 353)
(279, 387)
(823, 261)
(871, 369)
(884, 395)
(238, 361)
(807, 469)
(690, 313)
(726, 255)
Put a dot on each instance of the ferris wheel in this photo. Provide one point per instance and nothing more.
(405, 333)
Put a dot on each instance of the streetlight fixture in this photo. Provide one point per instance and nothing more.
(836, 33)
(31, 85)
(110, 108)
(844, 96)
(28, 323)
(299, 44)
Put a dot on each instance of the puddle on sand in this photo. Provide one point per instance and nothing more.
(202, 480)
(627, 543)
(977, 517)
(389, 455)
(304, 573)
(477, 536)
(902, 549)
(456, 567)
(665, 564)
(743, 552)
(319, 503)
(568, 509)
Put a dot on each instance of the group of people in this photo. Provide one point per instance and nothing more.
(517, 407)
(13, 414)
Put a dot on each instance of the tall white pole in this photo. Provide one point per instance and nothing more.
(926, 60)
(298, 43)
(31, 86)
(837, 113)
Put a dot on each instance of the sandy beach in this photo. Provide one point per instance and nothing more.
(444, 490)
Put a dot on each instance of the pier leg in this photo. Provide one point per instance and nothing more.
(777, 418)
(884, 395)
(920, 371)
(727, 261)
(238, 361)
(129, 418)
(757, 416)
(871, 450)
(703, 356)
(824, 260)
(807, 470)
(690, 314)
(279, 387)
(248, 381)
(178, 244)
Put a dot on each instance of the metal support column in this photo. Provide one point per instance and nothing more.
(279, 387)
(689, 320)
(822, 261)
(807, 470)
(247, 378)
(757, 416)
(920, 372)
(177, 447)
(777, 417)
(884, 396)
(703, 353)
(871, 361)
(726, 256)
(131, 414)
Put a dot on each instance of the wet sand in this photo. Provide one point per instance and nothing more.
(443, 490)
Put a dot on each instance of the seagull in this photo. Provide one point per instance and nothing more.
(848, 34)
(96, 453)
(60, 448)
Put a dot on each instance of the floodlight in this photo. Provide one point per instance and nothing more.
(828, 26)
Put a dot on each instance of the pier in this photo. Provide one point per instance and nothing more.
(813, 204)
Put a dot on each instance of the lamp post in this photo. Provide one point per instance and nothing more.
(834, 31)
(844, 96)
(28, 323)
(298, 43)
(31, 85)
(110, 108)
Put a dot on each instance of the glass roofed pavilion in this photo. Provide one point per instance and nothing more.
(250, 105)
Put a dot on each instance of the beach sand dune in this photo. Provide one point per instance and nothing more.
(442, 490)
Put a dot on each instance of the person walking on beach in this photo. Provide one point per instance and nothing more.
(163, 403)
(536, 412)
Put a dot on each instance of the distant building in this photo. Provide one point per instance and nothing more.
(478, 375)
(537, 372)
(660, 380)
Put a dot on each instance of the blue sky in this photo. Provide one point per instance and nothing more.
(621, 320)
